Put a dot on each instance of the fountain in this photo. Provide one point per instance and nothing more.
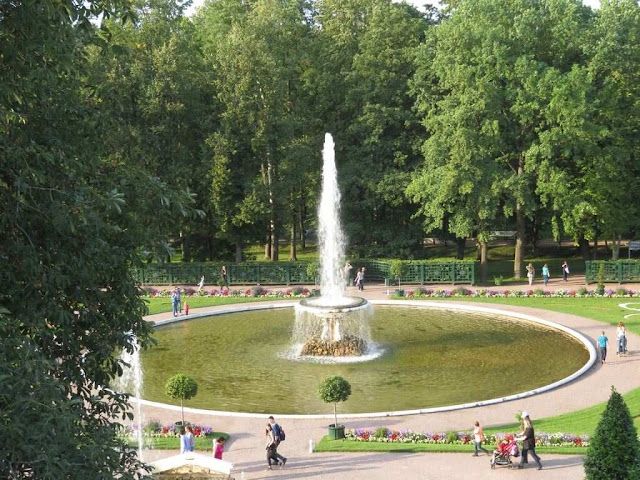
(131, 381)
(333, 324)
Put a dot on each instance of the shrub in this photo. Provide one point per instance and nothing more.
(614, 451)
(538, 291)
(418, 292)
(152, 427)
(382, 432)
(582, 291)
(600, 289)
(256, 291)
(498, 280)
(183, 387)
(296, 290)
(452, 437)
(621, 292)
(397, 269)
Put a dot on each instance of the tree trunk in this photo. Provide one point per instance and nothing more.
(302, 215)
(584, 248)
(267, 247)
(461, 244)
(238, 251)
(293, 255)
(615, 248)
(484, 264)
(275, 247)
(595, 248)
(519, 253)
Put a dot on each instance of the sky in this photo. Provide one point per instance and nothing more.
(417, 3)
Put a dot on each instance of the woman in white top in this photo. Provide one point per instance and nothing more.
(621, 333)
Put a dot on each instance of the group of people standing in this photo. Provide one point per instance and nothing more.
(531, 273)
(358, 281)
(275, 435)
(176, 302)
(621, 344)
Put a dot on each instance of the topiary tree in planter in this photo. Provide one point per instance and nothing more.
(334, 389)
(183, 387)
(600, 288)
(397, 269)
(614, 450)
(312, 271)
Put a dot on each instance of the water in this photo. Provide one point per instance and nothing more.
(432, 357)
(131, 382)
(330, 235)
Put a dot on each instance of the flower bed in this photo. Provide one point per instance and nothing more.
(385, 435)
(154, 429)
(539, 293)
(253, 292)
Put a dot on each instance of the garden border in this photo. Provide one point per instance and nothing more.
(410, 303)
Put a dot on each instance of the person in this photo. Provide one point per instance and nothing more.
(528, 439)
(277, 433)
(347, 273)
(565, 270)
(184, 445)
(621, 333)
(545, 274)
(175, 302)
(201, 284)
(218, 448)
(186, 308)
(602, 343)
(359, 281)
(190, 442)
(478, 437)
(225, 278)
(530, 273)
(271, 447)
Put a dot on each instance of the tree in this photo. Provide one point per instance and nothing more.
(334, 389)
(397, 269)
(182, 387)
(614, 450)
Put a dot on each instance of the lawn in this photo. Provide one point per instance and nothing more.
(173, 443)
(161, 305)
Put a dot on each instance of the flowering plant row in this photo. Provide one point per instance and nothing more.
(155, 429)
(464, 292)
(385, 435)
(254, 292)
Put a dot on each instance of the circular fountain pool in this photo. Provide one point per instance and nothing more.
(244, 362)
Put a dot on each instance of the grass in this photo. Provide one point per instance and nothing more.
(161, 305)
(326, 445)
(173, 443)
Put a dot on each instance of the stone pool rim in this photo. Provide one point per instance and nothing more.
(238, 308)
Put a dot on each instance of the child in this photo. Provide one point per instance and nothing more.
(501, 446)
(602, 343)
(218, 448)
(186, 308)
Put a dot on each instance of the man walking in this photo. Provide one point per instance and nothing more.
(277, 433)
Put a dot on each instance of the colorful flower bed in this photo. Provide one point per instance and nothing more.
(253, 292)
(464, 292)
(155, 429)
(386, 435)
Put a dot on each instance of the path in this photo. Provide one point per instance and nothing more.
(246, 449)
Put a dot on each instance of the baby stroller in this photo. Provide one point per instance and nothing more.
(507, 450)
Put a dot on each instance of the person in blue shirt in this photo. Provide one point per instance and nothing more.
(545, 274)
(277, 435)
(602, 343)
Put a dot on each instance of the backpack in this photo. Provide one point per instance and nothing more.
(282, 435)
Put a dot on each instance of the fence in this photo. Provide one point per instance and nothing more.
(619, 271)
(292, 273)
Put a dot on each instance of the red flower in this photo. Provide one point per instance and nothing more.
(365, 436)
(577, 442)
(436, 437)
(394, 436)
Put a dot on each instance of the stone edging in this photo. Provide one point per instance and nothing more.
(416, 303)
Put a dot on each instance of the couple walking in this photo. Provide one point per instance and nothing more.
(275, 435)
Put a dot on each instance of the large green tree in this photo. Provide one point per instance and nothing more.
(71, 233)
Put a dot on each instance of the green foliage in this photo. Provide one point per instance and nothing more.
(452, 437)
(381, 432)
(312, 269)
(601, 279)
(397, 268)
(498, 280)
(181, 386)
(614, 451)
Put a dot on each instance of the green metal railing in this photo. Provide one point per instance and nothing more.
(619, 271)
(295, 273)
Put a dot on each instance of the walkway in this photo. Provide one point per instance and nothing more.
(246, 449)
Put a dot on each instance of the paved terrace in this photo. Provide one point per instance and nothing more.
(246, 447)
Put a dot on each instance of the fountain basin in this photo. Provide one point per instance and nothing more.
(332, 305)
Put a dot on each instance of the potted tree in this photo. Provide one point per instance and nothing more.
(312, 272)
(335, 389)
(397, 269)
(183, 387)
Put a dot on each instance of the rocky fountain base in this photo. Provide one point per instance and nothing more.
(347, 346)
(333, 327)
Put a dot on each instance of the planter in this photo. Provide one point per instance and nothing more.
(178, 425)
(336, 432)
(315, 292)
(399, 292)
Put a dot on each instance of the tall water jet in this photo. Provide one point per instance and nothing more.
(333, 324)
(131, 382)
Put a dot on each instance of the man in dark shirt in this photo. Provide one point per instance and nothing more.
(277, 435)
